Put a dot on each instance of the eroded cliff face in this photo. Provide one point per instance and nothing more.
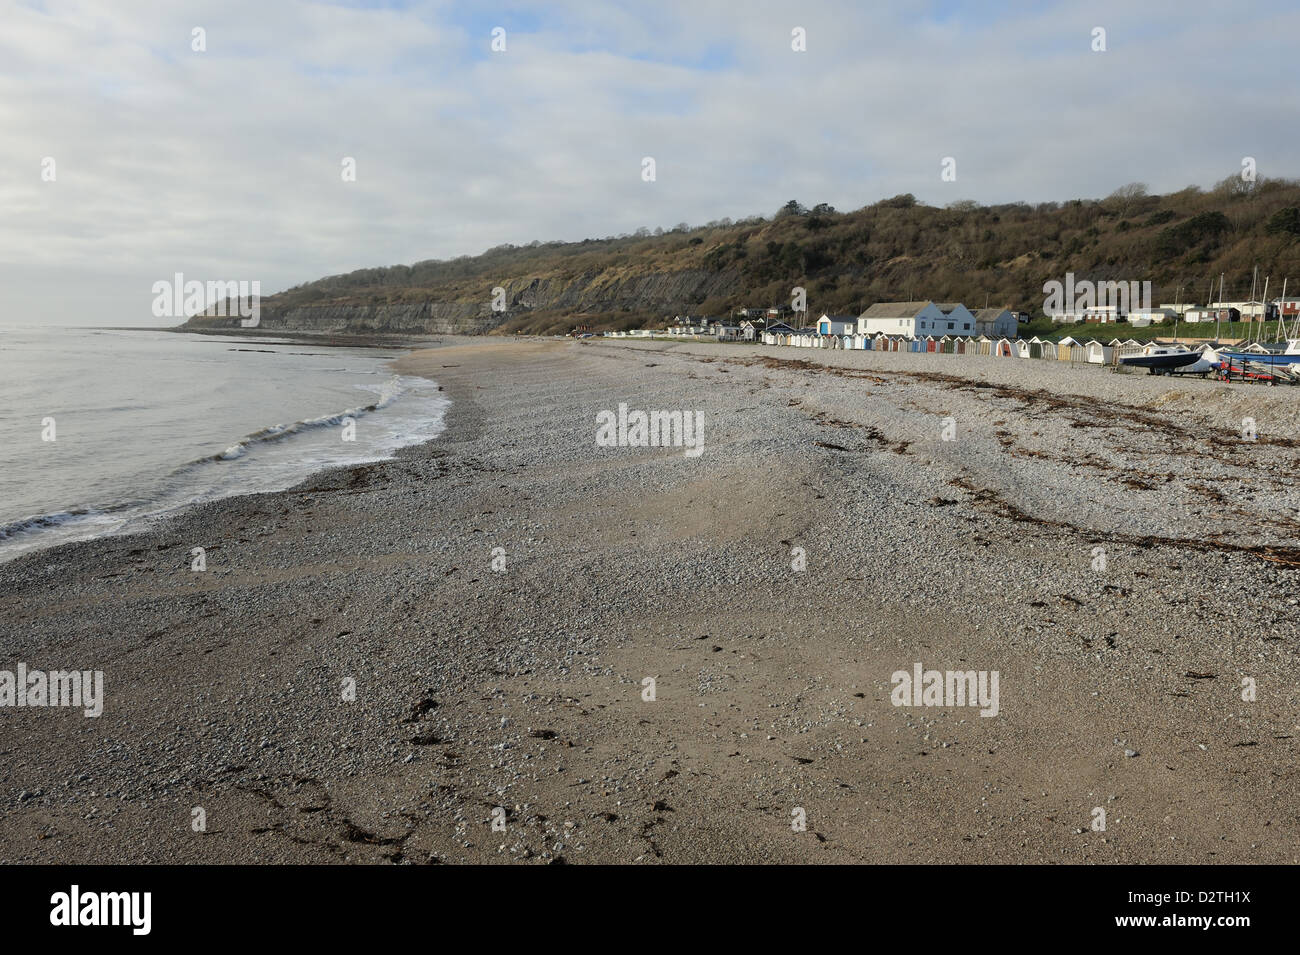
(451, 312)
(446, 318)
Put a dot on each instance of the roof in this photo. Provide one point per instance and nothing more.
(838, 318)
(988, 314)
(947, 307)
(894, 310)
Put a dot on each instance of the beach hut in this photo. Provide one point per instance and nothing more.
(1130, 346)
(983, 346)
(1022, 348)
(948, 345)
(1063, 348)
(1095, 351)
(1002, 348)
(931, 343)
(1110, 351)
(959, 346)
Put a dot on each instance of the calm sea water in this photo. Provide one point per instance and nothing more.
(145, 423)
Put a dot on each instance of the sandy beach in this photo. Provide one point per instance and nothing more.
(1109, 544)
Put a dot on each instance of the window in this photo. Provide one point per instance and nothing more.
(950, 326)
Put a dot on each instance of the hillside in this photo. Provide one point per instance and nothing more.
(895, 249)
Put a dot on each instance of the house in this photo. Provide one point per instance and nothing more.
(957, 320)
(1103, 314)
(1247, 311)
(724, 332)
(1212, 313)
(1286, 307)
(837, 325)
(901, 318)
(995, 322)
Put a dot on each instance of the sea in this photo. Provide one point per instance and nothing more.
(106, 431)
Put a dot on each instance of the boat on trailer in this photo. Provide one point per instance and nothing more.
(1161, 359)
(1279, 354)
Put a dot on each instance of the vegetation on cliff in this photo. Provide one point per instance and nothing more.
(894, 249)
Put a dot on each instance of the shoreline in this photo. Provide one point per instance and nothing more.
(166, 512)
(523, 688)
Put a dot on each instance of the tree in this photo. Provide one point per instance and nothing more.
(1126, 197)
(791, 208)
(1284, 222)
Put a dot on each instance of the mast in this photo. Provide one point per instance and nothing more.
(1263, 315)
(1178, 297)
(1281, 303)
(1218, 312)
(1255, 278)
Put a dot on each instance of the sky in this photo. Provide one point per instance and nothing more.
(128, 155)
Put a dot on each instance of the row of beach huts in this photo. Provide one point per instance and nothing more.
(1069, 349)
(943, 328)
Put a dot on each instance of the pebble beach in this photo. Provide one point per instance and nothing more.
(511, 644)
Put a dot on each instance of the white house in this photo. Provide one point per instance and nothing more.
(908, 319)
(996, 322)
(1212, 314)
(957, 320)
(1249, 311)
(836, 325)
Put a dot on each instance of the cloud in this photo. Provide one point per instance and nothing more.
(226, 164)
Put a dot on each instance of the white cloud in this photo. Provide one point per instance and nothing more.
(225, 164)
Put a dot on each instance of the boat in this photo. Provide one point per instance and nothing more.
(1277, 354)
(1207, 361)
(1161, 359)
